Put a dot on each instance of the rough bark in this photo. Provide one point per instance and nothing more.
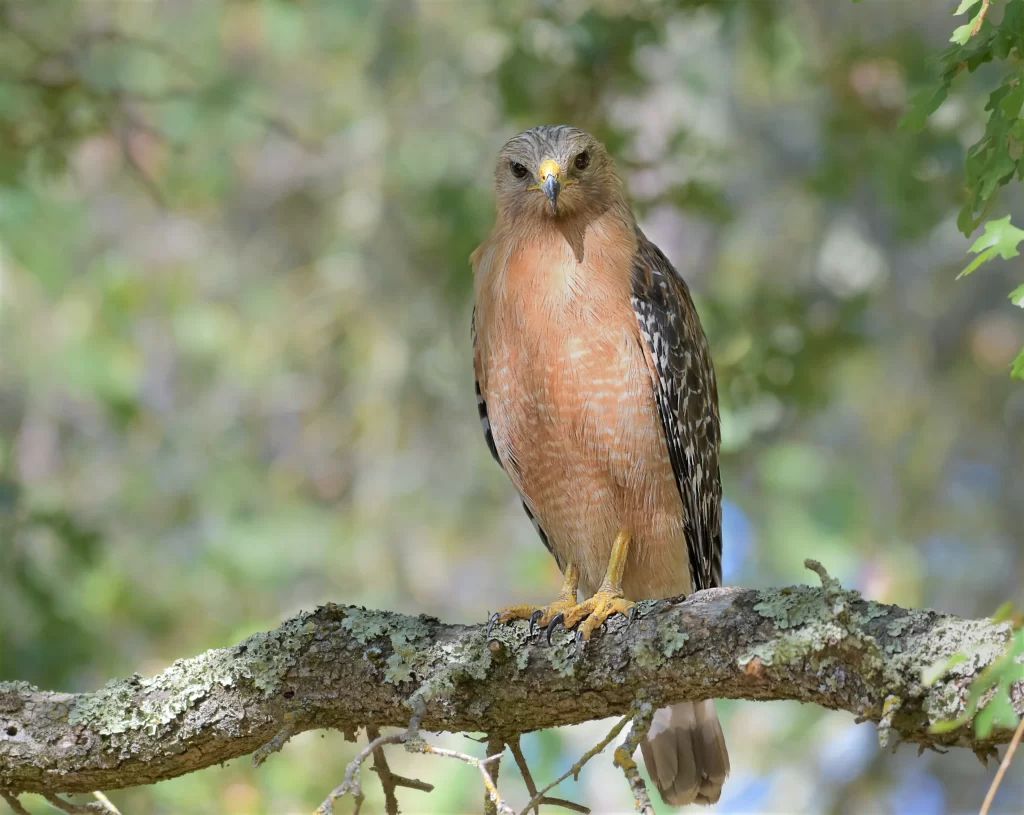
(346, 667)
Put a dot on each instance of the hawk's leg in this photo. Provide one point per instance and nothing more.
(592, 613)
(542, 615)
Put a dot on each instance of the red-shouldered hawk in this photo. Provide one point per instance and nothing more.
(598, 398)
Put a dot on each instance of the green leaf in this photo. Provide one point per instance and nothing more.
(949, 726)
(998, 171)
(1017, 368)
(923, 104)
(997, 713)
(984, 257)
(1000, 238)
(1005, 611)
(1017, 296)
(965, 220)
(938, 669)
(961, 34)
(966, 4)
(1012, 102)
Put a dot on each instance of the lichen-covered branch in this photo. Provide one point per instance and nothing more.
(346, 667)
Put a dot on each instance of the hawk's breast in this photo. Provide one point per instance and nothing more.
(572, 407)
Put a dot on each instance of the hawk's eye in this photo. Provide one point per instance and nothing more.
(582, 160)
(518, 170)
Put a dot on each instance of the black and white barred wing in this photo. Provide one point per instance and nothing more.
(687, 397)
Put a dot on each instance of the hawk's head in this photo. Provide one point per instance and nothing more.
(557, 171)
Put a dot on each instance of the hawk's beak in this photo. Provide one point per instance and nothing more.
(551, 182)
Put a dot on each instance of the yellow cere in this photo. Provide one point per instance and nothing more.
(550, 167)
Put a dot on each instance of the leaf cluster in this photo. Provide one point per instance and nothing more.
(995, 159)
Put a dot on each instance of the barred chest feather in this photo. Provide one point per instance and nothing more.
(566, 378)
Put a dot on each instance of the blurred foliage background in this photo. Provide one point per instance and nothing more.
(235, 374)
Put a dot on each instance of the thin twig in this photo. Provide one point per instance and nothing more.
(384, 773)
(624, 758)
(531, 786)
(411, 783)
(524, 770)
(1003, 767)
(107, 803)
(390, 781)
(575, 769)
(99, 796)
(76, 809)
(274, 745)
(565, 804)
(380, 765)
(351, 784)
(13, 803)
(420, 746)
(495, 746)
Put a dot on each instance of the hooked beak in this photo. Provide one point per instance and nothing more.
(551, 187)
(551, 182)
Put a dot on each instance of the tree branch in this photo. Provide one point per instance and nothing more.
(346, 667)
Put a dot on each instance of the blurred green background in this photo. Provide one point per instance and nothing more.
(235, 375)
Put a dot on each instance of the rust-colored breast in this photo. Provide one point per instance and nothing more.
(565, 376)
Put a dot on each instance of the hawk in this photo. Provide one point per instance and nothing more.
(598, 398)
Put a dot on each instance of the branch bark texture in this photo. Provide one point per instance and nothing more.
(345, 667)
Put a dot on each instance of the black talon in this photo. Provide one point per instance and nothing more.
(491, 622)
(534, 617)
(579, 646)
(559, 618)
(634, 612)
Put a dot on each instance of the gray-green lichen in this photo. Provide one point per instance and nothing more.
(815, 621)
(468, 659)
(149, 704)
(674, 641)
(459, 660)
(11, 694)
(405, 633)
(514, 638)
(646, 656)
(656, 647)
(803, 641)
(562, 656)
(790, 607)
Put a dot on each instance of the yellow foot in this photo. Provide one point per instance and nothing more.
(591, 614)
(537, 615)
(542, 615)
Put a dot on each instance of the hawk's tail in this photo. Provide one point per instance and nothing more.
(685, 753)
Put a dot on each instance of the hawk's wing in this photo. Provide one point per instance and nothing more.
(687, 396)
(481, 405)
